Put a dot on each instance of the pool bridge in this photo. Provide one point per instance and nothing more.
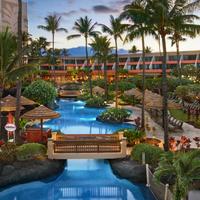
(86, 146)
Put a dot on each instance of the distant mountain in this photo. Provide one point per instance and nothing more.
(80, 51)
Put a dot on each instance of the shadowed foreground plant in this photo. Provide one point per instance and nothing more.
(184, 168)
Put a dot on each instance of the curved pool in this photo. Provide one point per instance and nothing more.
(81, 179)
(77, 119)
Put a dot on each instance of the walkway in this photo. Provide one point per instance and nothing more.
(187, 129)
(86, 146)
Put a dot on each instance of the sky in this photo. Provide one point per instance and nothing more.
(98, 10)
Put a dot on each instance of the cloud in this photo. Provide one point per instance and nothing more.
(104, 9)
(66, 14)
(71, 1)
(119, 4)
(84, 10)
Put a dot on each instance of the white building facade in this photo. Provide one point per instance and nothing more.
(9, 15)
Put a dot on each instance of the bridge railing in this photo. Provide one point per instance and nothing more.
(71, 146)
(86, 146)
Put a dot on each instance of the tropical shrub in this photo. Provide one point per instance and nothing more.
(129, 100)
(189, 72)
(41, 91)
(188, 92)
(155, 84)
(152, 153)
(123, 85)
(95, 102)
(84, 96)
(71, 86)
(114, 115)
(131, 134)
(182, 169)
(30, 151)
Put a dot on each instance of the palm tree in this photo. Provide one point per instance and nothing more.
(161, 15)
(115, 30)
(52, 24)
(134, 49)
(137, 14)
(102, 51)
(10, 70)
(86, 28)
(182, 168)
(182, 27)
(19, 83)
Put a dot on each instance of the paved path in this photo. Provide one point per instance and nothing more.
(187, 129)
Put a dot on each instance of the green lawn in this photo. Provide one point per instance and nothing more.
(180, 115)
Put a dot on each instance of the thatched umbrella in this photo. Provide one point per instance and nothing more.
(98, 90)
(8, 106)
(41, 113)
(158, 104)
(134, 92)
(24, 101)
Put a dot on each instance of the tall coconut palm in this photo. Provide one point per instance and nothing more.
(161, 16)
(10, 70)
(182, 168)
(103, 52)
(115, 30)
(182, 26)
(19, 83)
(137, 14)
(52, 24)
(86, 28)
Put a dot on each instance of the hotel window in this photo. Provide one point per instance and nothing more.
(133, 67)
(148, 59)
(122, 59)
(172, 58)
(189, 57)
(155, 66)
(80, 61)
(158, 58)
(134, 59)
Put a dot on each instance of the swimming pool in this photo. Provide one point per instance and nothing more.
(81, 179)
(77, 119)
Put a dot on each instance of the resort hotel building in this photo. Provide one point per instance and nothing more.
(131, 63)
(9, 15)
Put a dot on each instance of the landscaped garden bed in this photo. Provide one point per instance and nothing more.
(114, 115)
(95, 102)
(133, 136)
(26, 163)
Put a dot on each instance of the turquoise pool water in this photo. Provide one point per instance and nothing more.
(81, 179)
(76, 119)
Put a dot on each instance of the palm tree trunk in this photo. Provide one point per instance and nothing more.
(19, 83)
(106, 80)
(53, 59)
(143, 84)
(164, 93)
(116, 73)
(89, 70)
(1, 95)
(178, 62)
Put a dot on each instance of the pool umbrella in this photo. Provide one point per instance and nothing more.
(158, 104)
(8, 106)
(98, 90)
(41, 113)
(24, 101)
(134, 92)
